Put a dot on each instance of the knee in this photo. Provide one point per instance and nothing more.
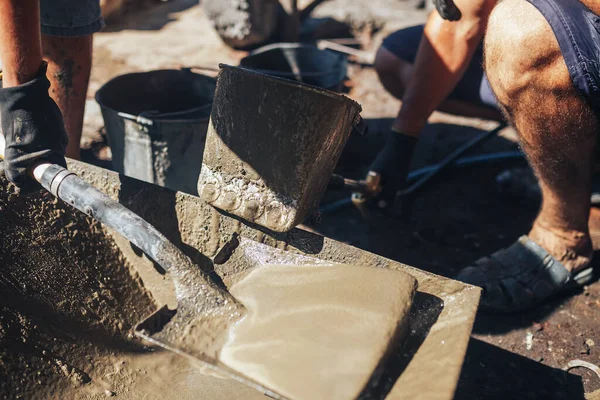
(61, 47)
(383, 61)
(392, 71)
(520, 50)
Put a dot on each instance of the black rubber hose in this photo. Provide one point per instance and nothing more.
(72, 189)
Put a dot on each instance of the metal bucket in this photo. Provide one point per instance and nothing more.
(156, 124)
(272, 146)
(300, 62)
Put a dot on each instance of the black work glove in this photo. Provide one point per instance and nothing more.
(33, 129)
(448, 9)
(392, 164)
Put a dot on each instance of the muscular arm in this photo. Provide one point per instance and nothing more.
(20, 41)
(444, 54)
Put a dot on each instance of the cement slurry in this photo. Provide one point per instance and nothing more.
(314, 332)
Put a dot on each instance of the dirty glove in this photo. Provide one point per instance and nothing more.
(33, 129)
(392, 164)
(448, 9)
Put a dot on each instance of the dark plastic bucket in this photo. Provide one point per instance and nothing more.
(156, 123)
(300, 62)
(272, 146)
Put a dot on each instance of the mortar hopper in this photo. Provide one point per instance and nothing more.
(271, 147)
(83, 264)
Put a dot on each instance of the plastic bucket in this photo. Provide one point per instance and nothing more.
(156, 124)
(300, 62)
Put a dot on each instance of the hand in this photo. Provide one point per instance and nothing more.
(392, 164)
(33, 129)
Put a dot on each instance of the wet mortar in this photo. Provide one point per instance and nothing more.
(69, 300)
(317, 332)
(67, 294)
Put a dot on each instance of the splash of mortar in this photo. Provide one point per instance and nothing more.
(205, 312)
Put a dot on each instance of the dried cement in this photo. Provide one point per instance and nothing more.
(317, 332)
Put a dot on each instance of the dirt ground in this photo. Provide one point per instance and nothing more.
(451, 223)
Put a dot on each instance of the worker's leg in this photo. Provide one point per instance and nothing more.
(69, 65)
(558, 132)
(557, 128)
(393, 71)
(67, 28)
(594, 227)
(394, 66)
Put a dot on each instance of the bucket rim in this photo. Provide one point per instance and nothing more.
(140, 117)
(287, 45)
(340, 59)
(287, 82)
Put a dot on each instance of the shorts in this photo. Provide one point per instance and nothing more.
(472, 88)
(71, 17)
(577, 30)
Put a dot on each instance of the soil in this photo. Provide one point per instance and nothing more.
(452, 222)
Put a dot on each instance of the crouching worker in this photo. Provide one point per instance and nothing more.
(541, 59)
(433, 67)
(543, 63)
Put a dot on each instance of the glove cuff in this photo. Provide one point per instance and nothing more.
(33, 127)
(14, 96)
(401, 142)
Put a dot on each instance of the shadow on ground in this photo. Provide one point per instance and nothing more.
(148, 15)
(490, 372)
(457, 219)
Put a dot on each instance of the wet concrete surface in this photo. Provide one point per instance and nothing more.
(318, 332)
(440, 319)
(69, 299)
(67, 296)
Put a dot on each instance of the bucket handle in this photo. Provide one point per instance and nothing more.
(137, 118)
(200, 68)
(307, 74)
(360, 126)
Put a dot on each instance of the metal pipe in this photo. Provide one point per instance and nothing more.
(451, 158)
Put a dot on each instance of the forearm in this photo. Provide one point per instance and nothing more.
(444, 54)
(20, 41)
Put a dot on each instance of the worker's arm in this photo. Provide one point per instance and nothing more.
(20, 41)
(31, 121)
(444, 54)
